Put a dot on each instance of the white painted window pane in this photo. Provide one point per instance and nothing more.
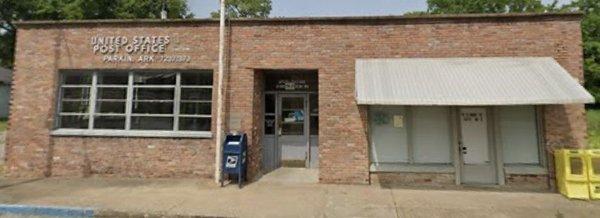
(431, 134)
(388, 138)
(518, 132)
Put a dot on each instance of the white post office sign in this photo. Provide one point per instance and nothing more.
(136, 49)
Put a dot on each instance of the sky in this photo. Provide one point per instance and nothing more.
(304, 8)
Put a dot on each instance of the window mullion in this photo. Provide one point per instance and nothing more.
(129, 101)
(176, 102)
(409, 119)
(59, 106)
(92, 106)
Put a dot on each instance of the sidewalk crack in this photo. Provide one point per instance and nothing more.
(395, 205)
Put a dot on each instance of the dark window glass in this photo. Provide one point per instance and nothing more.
(109, 122)
(292, 103)
(153, 107)
(292, 128)
(196, 94)
(195, 108)
(194, 124)
(154, 79)
(314, 104)
(113, 78)
(152, 123)
(153, 94)
(269, 103)
(76, 93)
(116, 107)
(77, 78)
(596, 165)
(152, 98)
(112, 93)
(196, 79)
(314, 125)
(74, 122)
(75, 106)
(576, 165)
(270, 125)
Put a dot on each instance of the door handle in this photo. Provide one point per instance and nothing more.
(461, 148)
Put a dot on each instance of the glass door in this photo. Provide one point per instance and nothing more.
(292, 131)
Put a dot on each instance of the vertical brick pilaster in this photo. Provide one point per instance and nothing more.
(32, 106)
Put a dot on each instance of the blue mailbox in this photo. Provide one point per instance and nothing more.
(234, 157)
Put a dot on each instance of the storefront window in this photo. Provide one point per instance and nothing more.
(431, 135)
(150, 100)
(518, 134)
(389, 139)
(410, 135)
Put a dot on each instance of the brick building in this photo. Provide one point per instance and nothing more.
(433, 99)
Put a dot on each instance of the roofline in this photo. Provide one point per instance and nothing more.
(435, 17)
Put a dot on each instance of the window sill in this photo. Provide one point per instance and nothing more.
(131, 133)
(412, 168)
(525, 169)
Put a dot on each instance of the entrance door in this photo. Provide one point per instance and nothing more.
(476, 153)
(293, 130)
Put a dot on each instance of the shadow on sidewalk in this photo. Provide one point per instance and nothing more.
(4, 185)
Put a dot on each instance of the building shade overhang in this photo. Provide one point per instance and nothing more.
(466, 81)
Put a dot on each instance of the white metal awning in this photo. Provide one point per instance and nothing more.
(466, 81)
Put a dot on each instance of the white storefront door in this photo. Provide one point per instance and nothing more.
(477, 154)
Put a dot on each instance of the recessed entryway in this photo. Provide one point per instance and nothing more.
(288, 175)
(291, 119)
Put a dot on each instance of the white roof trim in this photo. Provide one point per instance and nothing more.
(466, 81)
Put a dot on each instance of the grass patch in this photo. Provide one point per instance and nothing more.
(593, 117)
(3, 125)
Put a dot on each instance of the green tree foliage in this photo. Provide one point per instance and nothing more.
(486, 6)
(15, 10)
(591, 42)
(246, 9)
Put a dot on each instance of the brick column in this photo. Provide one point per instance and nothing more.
(28, 148)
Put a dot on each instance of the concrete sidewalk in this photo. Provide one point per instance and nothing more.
(272, 198)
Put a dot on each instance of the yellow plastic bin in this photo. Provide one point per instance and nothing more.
(593, 167)
(572, 173)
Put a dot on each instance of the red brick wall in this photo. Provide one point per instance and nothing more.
(519, 181)
(330, 46)
(413, 179)
(132, 157)
(41, 52)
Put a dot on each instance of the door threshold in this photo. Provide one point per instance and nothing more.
(481, 186)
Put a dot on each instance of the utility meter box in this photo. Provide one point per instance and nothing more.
(593, 167)
(572, 173)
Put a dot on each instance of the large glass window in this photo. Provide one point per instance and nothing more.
(431, 135)
(518, 134)
(411, 135)
(389, 141)
(148, 100)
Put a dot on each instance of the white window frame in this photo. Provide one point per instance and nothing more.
(127, 131)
